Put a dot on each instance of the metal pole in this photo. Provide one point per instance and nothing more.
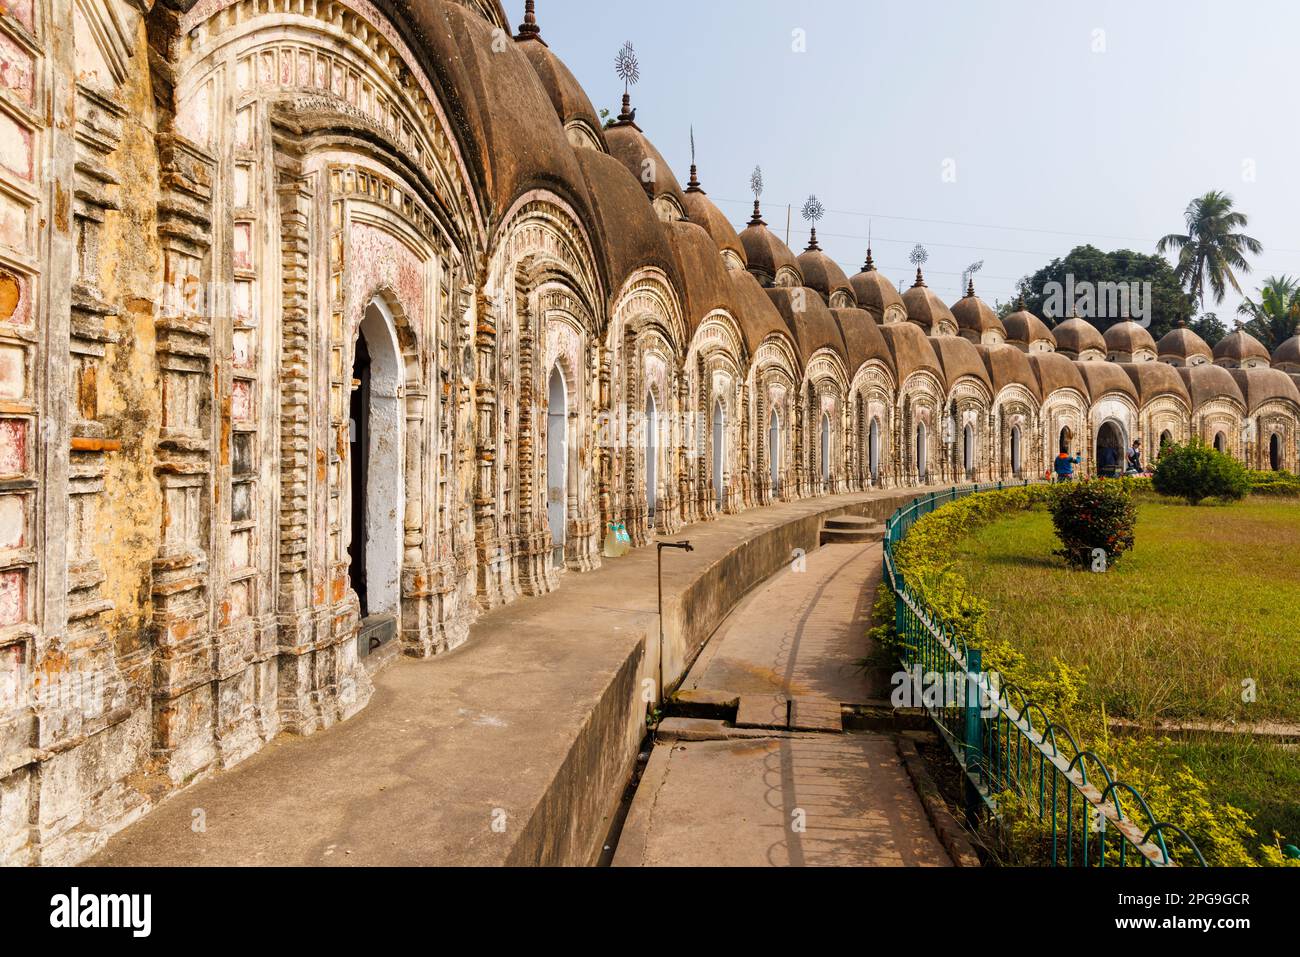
(659, 575)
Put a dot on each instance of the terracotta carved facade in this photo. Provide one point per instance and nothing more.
(327, 318)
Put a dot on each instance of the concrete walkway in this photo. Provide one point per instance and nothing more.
(783, 801)
(801, 633)
(513, 749)
(775, 798)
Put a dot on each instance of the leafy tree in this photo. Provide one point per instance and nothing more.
(1169, 304)
(1274, 317)
(1212, 248)
(1210, 328)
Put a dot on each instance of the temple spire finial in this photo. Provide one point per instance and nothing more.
(694, 185)
(529, 28)
(812, 212)
(918, 257)
(756, 187)
(970, 288)
(628, 69)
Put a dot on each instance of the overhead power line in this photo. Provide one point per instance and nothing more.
(1016, 229)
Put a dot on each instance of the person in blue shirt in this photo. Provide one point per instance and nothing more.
(1135, 459)
(1065, 464)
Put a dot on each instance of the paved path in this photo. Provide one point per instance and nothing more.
(511, 750)
(800, 633)
(782, 799)
(801, 801)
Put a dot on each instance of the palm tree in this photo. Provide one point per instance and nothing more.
(1273, 319)
(1212, 248)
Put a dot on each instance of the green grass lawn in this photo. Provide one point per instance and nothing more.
(1208, 598)
(1260, 778)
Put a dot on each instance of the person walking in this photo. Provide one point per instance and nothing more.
(1065, 464)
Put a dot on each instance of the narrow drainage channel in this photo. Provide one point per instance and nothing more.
(625, 803)
(672, 709)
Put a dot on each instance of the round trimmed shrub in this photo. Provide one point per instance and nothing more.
(1092, 516)
(1196, 471)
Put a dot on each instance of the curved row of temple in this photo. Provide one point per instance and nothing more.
(458, 329)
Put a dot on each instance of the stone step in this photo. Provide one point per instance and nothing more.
(815, 714)
(834, 536)
(778, 713)
(763, 711)
(852, 521)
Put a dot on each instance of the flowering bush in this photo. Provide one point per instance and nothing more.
(1091, 517)
(1196, 471)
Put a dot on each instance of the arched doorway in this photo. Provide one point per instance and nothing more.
(968, 451)
(375, 465)
(719, 451)
(922, 468)
(1275, 452)
(1065, 438)
(1221, 443)
(1166, 440)
(1110, 450)
(874, 451)
(774, 452)
(1015, 451)
(826, 452)
(557, 464)
(651, 457)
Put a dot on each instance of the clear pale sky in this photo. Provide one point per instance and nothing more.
(1054, 144)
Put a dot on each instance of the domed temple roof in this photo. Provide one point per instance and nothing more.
(765, 254)
(1024, 328)
(862, 339)
(514, 141)
(567, 95)
(809, 320)
(1287, 355)
(1240, 346)
(1128, 338)
(926, 309)
(873, 290)
(1208, 382)
(1153, 379)
(822, 273)
(634, 149)
(1076, 336)
(1183, 345)
(959, 357)
(1264, 385)
(912, 351)
(758, 317)
(1056, 372)
(628, 231)
(703, 276)
(975, 318)
(1104, 378)
(1007, 366)
(705, 212)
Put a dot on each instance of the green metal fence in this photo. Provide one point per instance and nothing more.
(1007, 745)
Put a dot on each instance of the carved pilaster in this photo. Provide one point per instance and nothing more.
(183, 661)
